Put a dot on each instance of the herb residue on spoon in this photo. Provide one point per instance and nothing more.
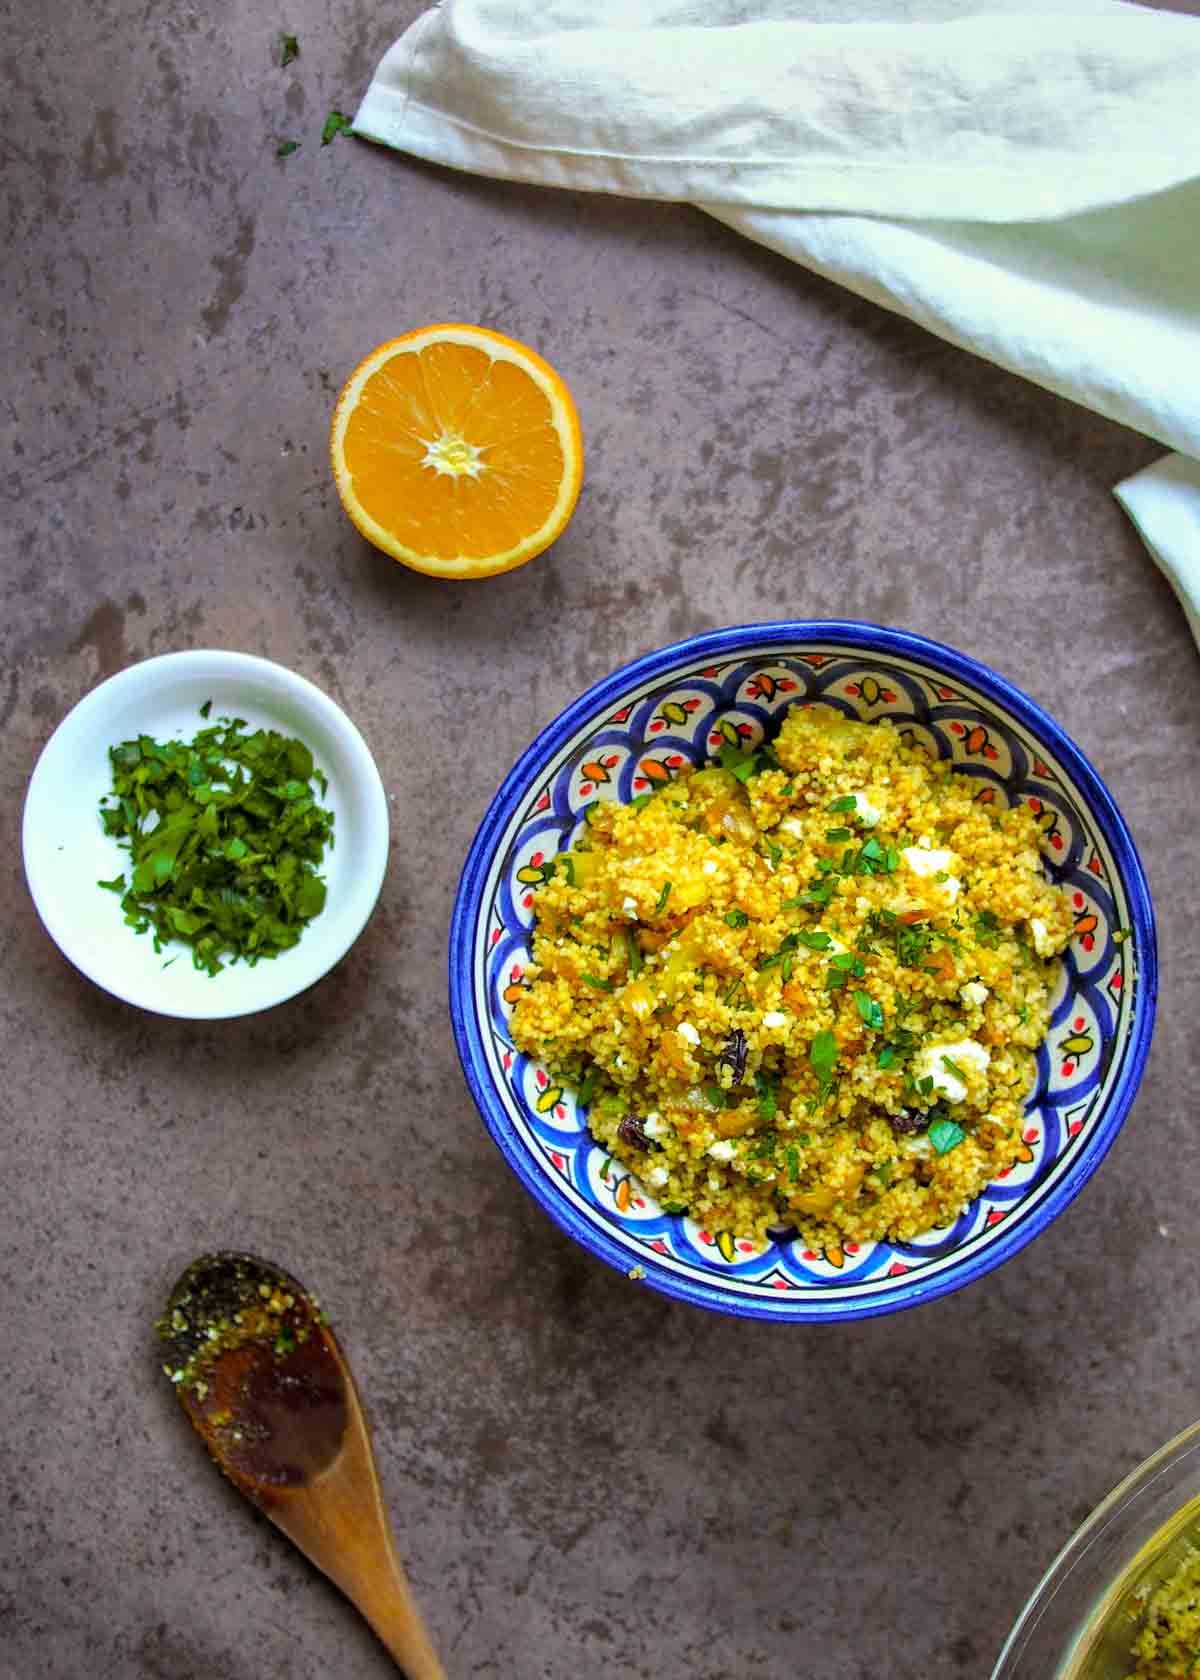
(226, 838)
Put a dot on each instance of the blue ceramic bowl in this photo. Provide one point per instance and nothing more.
(636, 728)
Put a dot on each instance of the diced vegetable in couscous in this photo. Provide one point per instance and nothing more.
(803, 987)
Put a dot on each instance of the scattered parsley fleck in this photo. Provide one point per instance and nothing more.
(600, 985)
(285, 148)
(847, 803)
(587, 1086)
(952, 1066)
(736, 918)
(663, 896)
(837, 834)
(206, 709)
(337, 122)
(289, 48)
(117, 884)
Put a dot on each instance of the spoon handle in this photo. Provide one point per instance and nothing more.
(397, 1622)
(351, 1542)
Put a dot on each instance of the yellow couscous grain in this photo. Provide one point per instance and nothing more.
(804, 987)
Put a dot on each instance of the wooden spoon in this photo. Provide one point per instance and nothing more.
(268, 1390)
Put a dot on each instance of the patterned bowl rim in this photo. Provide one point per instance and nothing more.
(791, 636)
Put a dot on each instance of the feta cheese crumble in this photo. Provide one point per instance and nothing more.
(867, 814)
(929, 1063)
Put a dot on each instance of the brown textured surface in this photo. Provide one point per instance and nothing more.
(586, 1480)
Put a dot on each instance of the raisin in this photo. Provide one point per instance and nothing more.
(733, 1055)
(907, 1121)
(632, 1132)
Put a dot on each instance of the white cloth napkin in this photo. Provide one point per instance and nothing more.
(1021, 177)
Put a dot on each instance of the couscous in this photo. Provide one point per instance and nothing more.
(803, 987)
(1167, 1646)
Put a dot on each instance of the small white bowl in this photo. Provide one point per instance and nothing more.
(66, 850)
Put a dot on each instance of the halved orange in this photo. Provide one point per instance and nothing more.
(457, 451)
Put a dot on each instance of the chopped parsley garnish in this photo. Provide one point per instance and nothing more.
(953, 1067)
(822, 1055)
(888, 1055)
(736, 918)
(844, 967)
(746, 764)
(285, 148)
(600, 985)
(289, 48)
(117, 884)
(834, 834)
(716, 1095)
(768, 1107)
(847, 802)
(814, 939)
(206, 709)
(225, 840)
(633, 953)
(337, 122)
(987, 929)
(945, 1135)
(587, 1086)
(870, 1010)
(742, 765)
(663, 896)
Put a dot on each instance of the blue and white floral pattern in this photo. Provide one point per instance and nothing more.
(635, 731)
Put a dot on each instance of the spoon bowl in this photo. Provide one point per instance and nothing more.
(268, 1389)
